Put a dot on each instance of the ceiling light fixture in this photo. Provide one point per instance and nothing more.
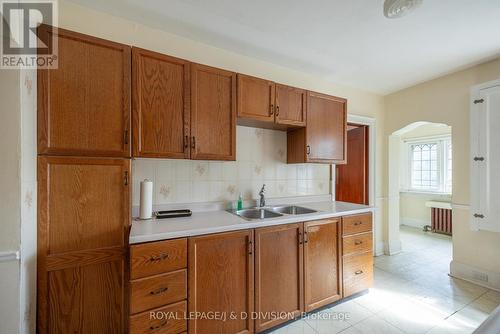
(394, 9)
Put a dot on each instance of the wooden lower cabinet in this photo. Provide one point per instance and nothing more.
(358, 273)
(83, 218)
(158, 287)
(256, 279)
(221, 281)
(279, 278)
(164, 320)
(357, 250)
(322, 277)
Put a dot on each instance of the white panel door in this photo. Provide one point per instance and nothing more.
(485, 149)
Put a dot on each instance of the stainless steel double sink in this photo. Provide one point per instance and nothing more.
(271, 212)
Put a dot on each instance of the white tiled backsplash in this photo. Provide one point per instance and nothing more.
(260, 158)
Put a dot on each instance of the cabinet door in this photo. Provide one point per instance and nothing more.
(255, 98)
(221, 280)
(160, 105)
(83, 219)
(326, 128)
(485, 159)
(84, 104)
(278, 274)
(213, 113)
(321, 263)
(290, 105)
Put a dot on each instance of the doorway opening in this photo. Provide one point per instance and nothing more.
(352, 179)
(420, 183)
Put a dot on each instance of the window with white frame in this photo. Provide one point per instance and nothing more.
(429, 165)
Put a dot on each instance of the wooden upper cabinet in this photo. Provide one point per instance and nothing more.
(213, 113)
(221, 280)
(255, 98)
(83, 219)
(327, 128)
(291, 106)
(84, 104)
(161, 120)
(322, 278)
(263, 103)
(324, 139)
(279, 275)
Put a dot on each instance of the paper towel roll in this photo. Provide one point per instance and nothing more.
(146, 204)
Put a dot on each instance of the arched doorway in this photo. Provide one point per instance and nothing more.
(420, 174)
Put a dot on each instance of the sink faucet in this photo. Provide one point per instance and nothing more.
(262, 201)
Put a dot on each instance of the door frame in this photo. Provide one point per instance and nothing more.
(372, 134)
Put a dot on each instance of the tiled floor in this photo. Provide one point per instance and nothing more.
(412, 294)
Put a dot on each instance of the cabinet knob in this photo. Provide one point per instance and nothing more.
(186, 141)
(153, 328)
(160, 257)
(271, 110)
(358, 223)
(478, 158)
(358, 242)
(358, 272)
(308, 148)
(193, 142)
(478, 215)
(277, 110)
(159, 291)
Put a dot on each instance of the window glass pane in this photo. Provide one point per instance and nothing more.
(424, 172)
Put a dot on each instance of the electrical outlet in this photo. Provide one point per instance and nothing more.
(479, 276)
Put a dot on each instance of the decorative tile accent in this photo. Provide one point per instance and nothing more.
(261, 158)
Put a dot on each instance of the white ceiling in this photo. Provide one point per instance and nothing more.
(348, 42)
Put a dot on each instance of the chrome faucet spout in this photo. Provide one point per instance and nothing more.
(262, 201)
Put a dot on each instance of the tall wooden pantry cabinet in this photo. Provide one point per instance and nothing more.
(83, 186)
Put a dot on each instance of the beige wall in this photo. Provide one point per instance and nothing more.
(412, 209)
(10, 181)
(446, 100)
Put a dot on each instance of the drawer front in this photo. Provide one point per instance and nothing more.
(358, 273)
(356, 224)
(358, 243)
(164, 320)
(157, 257)
(155, 291)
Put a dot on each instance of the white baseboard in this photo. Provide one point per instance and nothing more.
(472, 274)
(392, 248)
(414, 222)
(379, 249)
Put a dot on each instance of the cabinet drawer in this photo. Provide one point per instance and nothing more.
(157, 257)
(358, 273)
(359, 243)
(151, 292)
(170, 319)
(356, 224)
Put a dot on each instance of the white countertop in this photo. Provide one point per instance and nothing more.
(222, 221)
